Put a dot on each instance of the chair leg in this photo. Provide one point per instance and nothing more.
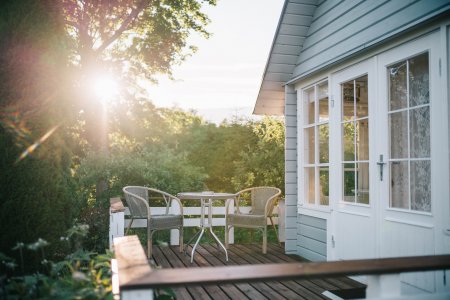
(227, 232)
(181, 238)
(149, 245)
(274, 229)
(129, 226)
(264, 246)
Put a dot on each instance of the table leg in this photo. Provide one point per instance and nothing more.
(196, 243)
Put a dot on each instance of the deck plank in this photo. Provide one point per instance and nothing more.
(180, 292)
(197, 292)
(214, 291)
(247, 289)
(208, 255)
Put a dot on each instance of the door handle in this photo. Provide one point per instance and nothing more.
(381, 163)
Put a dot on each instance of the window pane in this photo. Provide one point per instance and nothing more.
(362, 183)
(348, 100)
(362, 140)
(399, 184)
(420, 132)
(323, 102)
(348, 130)
(398, 123)
(309, 105)
(397, 86)
(323, 143)
(324, 176)
(349, 182)
(362, 97)
(421, 185)
(309, 184)
(419, 80)
(309, 145)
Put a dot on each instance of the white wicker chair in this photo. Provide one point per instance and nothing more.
(263, 200)
(139, 199)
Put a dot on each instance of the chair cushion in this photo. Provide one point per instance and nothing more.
(246, 219)
(165, 221)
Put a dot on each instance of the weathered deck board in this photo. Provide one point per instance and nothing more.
(208, 255)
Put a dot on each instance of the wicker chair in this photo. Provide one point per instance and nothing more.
(140, 198)
(262, 202)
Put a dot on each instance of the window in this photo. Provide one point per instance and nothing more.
(316, 142)
(355, 140)
(409, 127)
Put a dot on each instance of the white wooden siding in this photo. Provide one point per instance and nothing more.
(291, 170)
(341, 29)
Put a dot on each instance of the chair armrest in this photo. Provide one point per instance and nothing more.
(180, 205)
(270, 205)
(227, 205)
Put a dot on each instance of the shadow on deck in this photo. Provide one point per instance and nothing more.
(208, 256)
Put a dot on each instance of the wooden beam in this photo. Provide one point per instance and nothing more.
(233, 274)
(132, 263)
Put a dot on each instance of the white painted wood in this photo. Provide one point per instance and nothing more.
(408, 232)
(146, 294)
(175, 233)
(116, 226)
(383, 286)
(118, 221)
(352, 227)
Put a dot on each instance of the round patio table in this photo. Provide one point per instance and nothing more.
(206, 200)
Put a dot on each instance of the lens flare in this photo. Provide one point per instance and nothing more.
(36, 144)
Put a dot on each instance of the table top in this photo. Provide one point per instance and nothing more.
(205, 195)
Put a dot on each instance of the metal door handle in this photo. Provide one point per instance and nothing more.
(381, 163)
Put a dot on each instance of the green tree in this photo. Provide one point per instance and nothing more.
(262, 163)
(36, 191)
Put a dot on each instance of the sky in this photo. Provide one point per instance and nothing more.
(223, 77)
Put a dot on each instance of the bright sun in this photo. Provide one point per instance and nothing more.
(105, 87)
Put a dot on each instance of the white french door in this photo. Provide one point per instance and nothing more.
(389, 161)
(352, 135)
(410, 142)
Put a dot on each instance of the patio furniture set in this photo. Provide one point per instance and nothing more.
(140, 201)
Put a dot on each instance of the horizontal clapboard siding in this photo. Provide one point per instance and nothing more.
(291, 169)
(292, 30)
(342, 28)
(312, 238)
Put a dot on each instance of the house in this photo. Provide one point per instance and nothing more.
(364, 88)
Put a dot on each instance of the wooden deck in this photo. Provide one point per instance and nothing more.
(208, 255)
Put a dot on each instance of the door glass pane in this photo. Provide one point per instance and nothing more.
(323, 101)
(420, 132)
(421, 185)
(309, 105)
(362, 97)
(324, 185)
(348, 100)
(399, 184)
(362, 183)
(398, 86)
(323, 143)
(349, 182)
(362, 139)
(348, 130)
(310, 178)
(398, 123)
(418, 80)
(309, 145)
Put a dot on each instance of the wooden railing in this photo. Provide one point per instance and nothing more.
(118, 221)
(133, 275)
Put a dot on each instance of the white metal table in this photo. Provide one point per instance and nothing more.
(206, 200)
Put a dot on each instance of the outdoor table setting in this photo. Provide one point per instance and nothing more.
(206, 199)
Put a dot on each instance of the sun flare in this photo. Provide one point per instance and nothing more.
(105, 87)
